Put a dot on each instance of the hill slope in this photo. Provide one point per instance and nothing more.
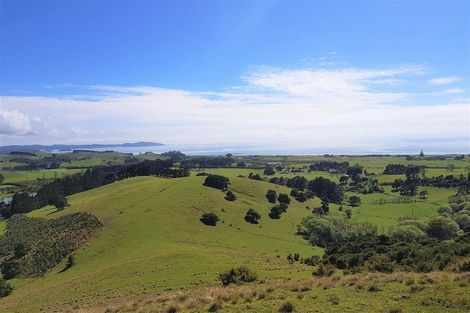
(152, 240)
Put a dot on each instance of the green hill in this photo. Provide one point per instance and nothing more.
(152, 240)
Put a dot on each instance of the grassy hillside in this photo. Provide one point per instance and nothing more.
(152, 240)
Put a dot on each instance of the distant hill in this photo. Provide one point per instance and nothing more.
(64, 147)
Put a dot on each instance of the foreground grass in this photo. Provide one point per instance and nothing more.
(370, 292)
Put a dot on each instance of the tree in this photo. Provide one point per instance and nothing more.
(252, 216)
(230, 196)
(283, 198)
(443, 228)
(60, 202)
(348, 212)
(269, 171)
(421, 154)
(354, 201)
(276, 212)
(271, 196)
(344, 179)
(209, 219)
(217, 181)
(324, 209)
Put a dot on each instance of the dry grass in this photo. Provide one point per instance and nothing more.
(216, 297)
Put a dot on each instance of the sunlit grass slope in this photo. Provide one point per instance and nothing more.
(152, 240)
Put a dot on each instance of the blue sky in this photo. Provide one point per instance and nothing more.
(188, 71)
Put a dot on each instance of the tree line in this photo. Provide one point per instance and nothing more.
(53, 193)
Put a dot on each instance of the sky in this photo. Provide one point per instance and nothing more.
(357, 75)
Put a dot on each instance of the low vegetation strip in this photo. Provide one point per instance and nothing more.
(32, 246)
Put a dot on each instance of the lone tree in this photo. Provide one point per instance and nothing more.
(230, 196)
(209, 219)
(354, 201)
(252, 216)
(269, 171)
(271, 196)
(60, 202)
(217, 181)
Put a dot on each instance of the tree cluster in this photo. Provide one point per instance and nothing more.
(217, 181)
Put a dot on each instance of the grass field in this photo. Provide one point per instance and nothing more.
(21, 177)
(153, 240)
(153, 246)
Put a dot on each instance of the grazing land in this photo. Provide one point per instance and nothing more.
(153, 253)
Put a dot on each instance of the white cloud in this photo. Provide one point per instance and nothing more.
(304, 108)
(14, 123)
(444, 80)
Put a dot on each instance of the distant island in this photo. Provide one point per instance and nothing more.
(65, 147)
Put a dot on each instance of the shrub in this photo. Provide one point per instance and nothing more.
(230, 196)
(443, 228)
(238, 275)
(287, 307)
(172, 309)
(252, 216)
(215, 307)
(5, 288)
(323, 271)
(407, 233)
(217, 181)
(209, 219)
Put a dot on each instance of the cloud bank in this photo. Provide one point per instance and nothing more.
(320, 108)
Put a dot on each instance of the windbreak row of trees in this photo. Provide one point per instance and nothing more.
(53, 193)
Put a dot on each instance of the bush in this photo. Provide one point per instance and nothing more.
(215, 307)
(271, 196)
(443, 228)
(217, 181)
(5, 288)
(407, 233)
(323, 271)
(230, 196)
(287, 307)
(238, 275)
(209, 219)
(252, 216)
